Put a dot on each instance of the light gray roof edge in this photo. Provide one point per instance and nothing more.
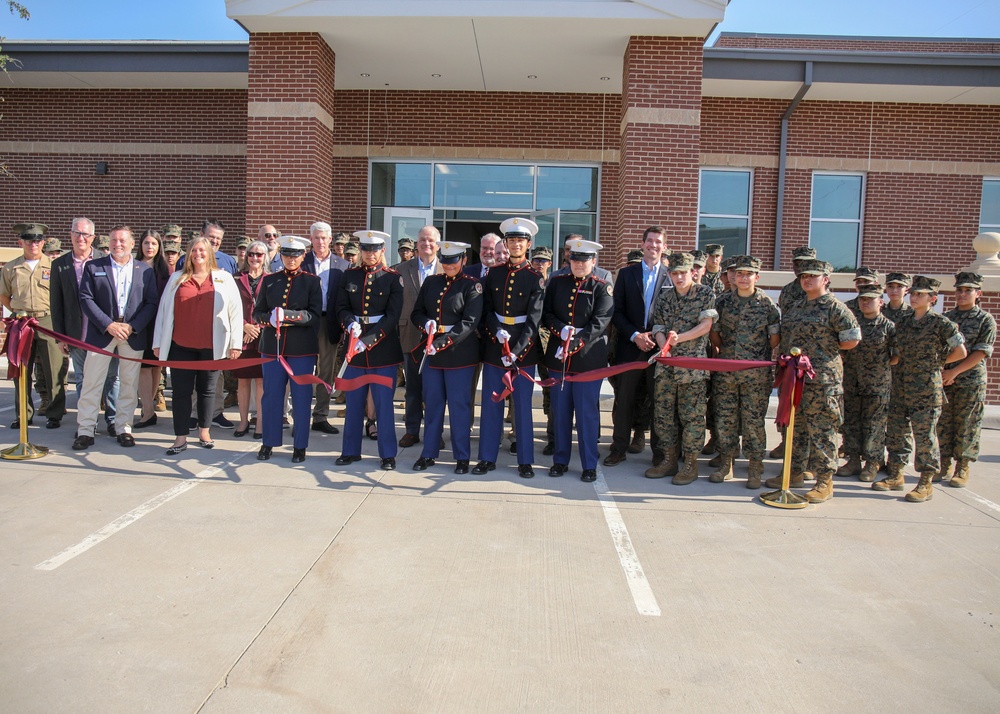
(860, 38)
(848, 56)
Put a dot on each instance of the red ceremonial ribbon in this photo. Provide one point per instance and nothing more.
(20, 335)
(790, 379)
(349, 385)
(509, 375)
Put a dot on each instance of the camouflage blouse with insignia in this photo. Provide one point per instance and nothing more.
(791, 295)
(817, 327)
(895, 314)
(745, 326)
(714, 281)
(917, 378)
(980, 332)
(869, 361)
(680, 313)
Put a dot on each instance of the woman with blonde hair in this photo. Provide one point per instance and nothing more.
(200, 318)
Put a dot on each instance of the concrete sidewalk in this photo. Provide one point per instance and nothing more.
(213, 582)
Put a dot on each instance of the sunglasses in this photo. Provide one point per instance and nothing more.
(272, 235)
(255, 255)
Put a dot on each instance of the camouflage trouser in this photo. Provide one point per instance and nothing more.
(924, 423)
(865, 417)
(961, 421)
(740, 410)
(675, 402)
(817, 422)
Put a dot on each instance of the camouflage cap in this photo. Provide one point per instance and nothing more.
(746, 262)
(172, 230)
(871, 290)
(172, 246)
(351, 249)
(102, 242)
(541, 253)
(728, 262)
(680, 262)
(815, 267)
(964, 279)
(923, 284)
(30, 229)
(804, 253)
(404, 243)
(698, 257)
(344, 239)
(634, 256)
(52, 245)
(866, 274)
(713, 249)
(243, 242)
(898, 278)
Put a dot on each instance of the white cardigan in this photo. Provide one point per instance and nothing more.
(227, 322)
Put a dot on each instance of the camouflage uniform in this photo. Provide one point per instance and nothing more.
(895, 314)
(680, 393)
(962, 413)
(817, 327)
(916, 388)
(791, 296)
(867, 385)
(714, 281)
(745, 326)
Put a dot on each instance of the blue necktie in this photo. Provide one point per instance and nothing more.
(648, 293)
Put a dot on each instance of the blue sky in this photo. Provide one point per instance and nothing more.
(206, 19)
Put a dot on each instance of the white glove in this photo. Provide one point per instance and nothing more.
(430, 326)
(355, 329)
(560, 354)
(503, 336)
(567, 332)
(431, 350)
(277, 317)
(359, 347)
(508, 360)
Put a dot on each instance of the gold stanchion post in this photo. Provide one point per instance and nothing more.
(24, 450)
(783, 498)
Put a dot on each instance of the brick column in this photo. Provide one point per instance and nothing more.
(289, 131)
(660, 136)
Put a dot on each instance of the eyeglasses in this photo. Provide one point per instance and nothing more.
(255, 255)
(272, 235)
(81, 234)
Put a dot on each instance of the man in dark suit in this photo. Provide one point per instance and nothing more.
(67, 315)
(413, 272)
(636, 292)
(321, 261)
(119, 298)
(487, 247)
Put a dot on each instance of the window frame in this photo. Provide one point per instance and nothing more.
(750, 191)
(860, 220)
(987, 227)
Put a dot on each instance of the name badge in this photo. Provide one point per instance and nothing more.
(218, 280)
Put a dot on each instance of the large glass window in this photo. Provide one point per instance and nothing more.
(570, 188)
(989, 211)
(401, 185)
(484, 186)
(724, 209)
(836, 213)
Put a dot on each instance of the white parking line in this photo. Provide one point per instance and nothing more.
(135, 514)
(642, 593)
(985, 501)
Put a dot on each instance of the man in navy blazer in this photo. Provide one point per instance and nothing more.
(487, 247)
(636, 292)
(322, 262)
(119, 298)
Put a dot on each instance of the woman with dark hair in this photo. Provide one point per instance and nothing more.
(200, 318)
(151, 253)
(248, 283)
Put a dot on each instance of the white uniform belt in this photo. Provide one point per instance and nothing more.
(368, 319)
(504, 320)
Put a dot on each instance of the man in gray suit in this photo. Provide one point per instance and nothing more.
(413, 273)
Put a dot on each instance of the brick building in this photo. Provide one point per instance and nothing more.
(597, 118)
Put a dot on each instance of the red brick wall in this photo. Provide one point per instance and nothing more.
(350, 195)
(861, 44)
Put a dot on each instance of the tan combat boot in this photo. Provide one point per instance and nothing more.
(924, 490)
(893, 482)
(715, 461)
(961, 475)
(778, 451)
(667, 467)
(851, 468)
(725, 470)
(869, 472)
(754, 472)
(945, 468)
(796, 481)
(689, 474)
(712, 446)
(823, 490)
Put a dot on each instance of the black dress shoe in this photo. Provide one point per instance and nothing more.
(346, 459)
(264, 453)
(52, 423)
(389, 464)
(589, 475)
(422, 464)
(258, 435)
(16, 424)
(525, 471)
(222, 421)
(126, 439)
(409, 440)
(82, 442)
(550, 448)
(513, 447)
(241, 432)
(145, 422)
(462, 467)
(483, 466)
(325, 427)
(614, 458)
(298, 456)
(558, 469)
(112, 432)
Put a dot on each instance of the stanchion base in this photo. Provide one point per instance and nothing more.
(783, 499)
(24, 451)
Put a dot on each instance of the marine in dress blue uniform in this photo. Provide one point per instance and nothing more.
(369, 303)
(289, 307)
(449, 306)
(577, 311)
(512, 310)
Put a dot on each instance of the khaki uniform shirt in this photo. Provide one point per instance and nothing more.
(27, 289)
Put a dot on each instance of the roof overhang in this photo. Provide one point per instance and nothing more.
(481, 45)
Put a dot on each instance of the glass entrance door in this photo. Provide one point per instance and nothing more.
(548, 232)
(404, 223)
